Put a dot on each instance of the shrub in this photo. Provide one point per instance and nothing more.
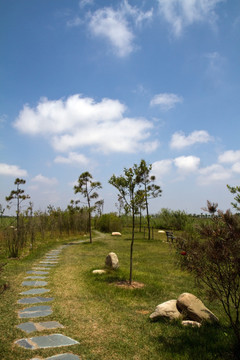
(108, 223)
(214, 259)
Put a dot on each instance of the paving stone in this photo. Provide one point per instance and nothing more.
(41, 268)
(34, 300)
(41, 326)
(35, 291)
(34, 283)
(47, 341)
(35, 277)
(35, 311)
(36, 272)
(48, 262)
(46, 265)
(66, 356)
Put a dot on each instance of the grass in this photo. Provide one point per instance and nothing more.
(112, 322)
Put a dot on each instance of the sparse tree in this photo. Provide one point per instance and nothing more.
(150, 189)
(87, 188)
(235, 190)
(19, 196)
(127, 185)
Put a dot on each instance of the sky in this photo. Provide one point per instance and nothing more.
(97, 85)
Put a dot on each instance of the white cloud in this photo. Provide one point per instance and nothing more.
(73, 158)
(161, 168)
(137, 15)
(12, 170)
(236, 167)
(117, 26)
(213, 173)
(77, 21)
(83, 3)
(166, 101)
(229, 156)
(112, 26)
(182, 13)
(180, 141)
(187, 164)
(78, 122)
(45, 180)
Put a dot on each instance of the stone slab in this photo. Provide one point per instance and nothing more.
(34, 300)
(36, 272)
(41, 326)
(35, 277)
(35, 291)
(35, 311)
(46, 265)
(48, 262)
(34, 283)
(66, 356)
(47, 341)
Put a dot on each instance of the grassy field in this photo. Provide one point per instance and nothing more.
(112, 322)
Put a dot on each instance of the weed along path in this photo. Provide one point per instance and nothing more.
(36, 283)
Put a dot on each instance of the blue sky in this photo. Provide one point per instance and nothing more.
(99, 85)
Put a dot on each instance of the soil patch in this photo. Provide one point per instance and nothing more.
(127, 285)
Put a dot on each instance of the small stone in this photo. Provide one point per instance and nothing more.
(116, 233)
(167, 309)
(161, 231)
(111, 261)
(99, 272)
(191, 323)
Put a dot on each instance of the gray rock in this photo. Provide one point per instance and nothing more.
(99, 272)
(167, 309)
(191, 323)
(112, 261)
(193, 308)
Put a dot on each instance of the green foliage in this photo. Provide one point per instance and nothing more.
(235, 190)
(150, 190)
(172, 219)
(214, 259)
(86, 187)
(108, 223)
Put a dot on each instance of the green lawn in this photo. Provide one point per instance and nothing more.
(111, 322)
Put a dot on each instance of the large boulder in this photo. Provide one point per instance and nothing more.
(165, 310)
(193, 308)
(112, 261)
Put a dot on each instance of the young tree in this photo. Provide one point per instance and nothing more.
(86, 187)
(141, 205)
(150, 189)
(235, 190)
(127, 186)
(19, 196)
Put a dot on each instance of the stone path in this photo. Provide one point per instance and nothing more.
(36, 279)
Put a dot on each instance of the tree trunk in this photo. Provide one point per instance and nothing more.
(131, 250)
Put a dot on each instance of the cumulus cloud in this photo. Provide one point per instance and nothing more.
(111, 25)
(236, 167)
(115, 27)
(166, 101)
(180, 141)
(12, 170)
(161, 168)
(186, 164)
(72, 158)
(78, 122)
(40, 179)
(229, 156)
(182, 13)
(213, 173)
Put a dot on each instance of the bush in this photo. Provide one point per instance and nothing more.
(108, 223)
(214, 259)
(171, 220)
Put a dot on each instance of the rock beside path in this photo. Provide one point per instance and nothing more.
(99, 271)
(193, 308)
(167, 309)
(112, 261)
